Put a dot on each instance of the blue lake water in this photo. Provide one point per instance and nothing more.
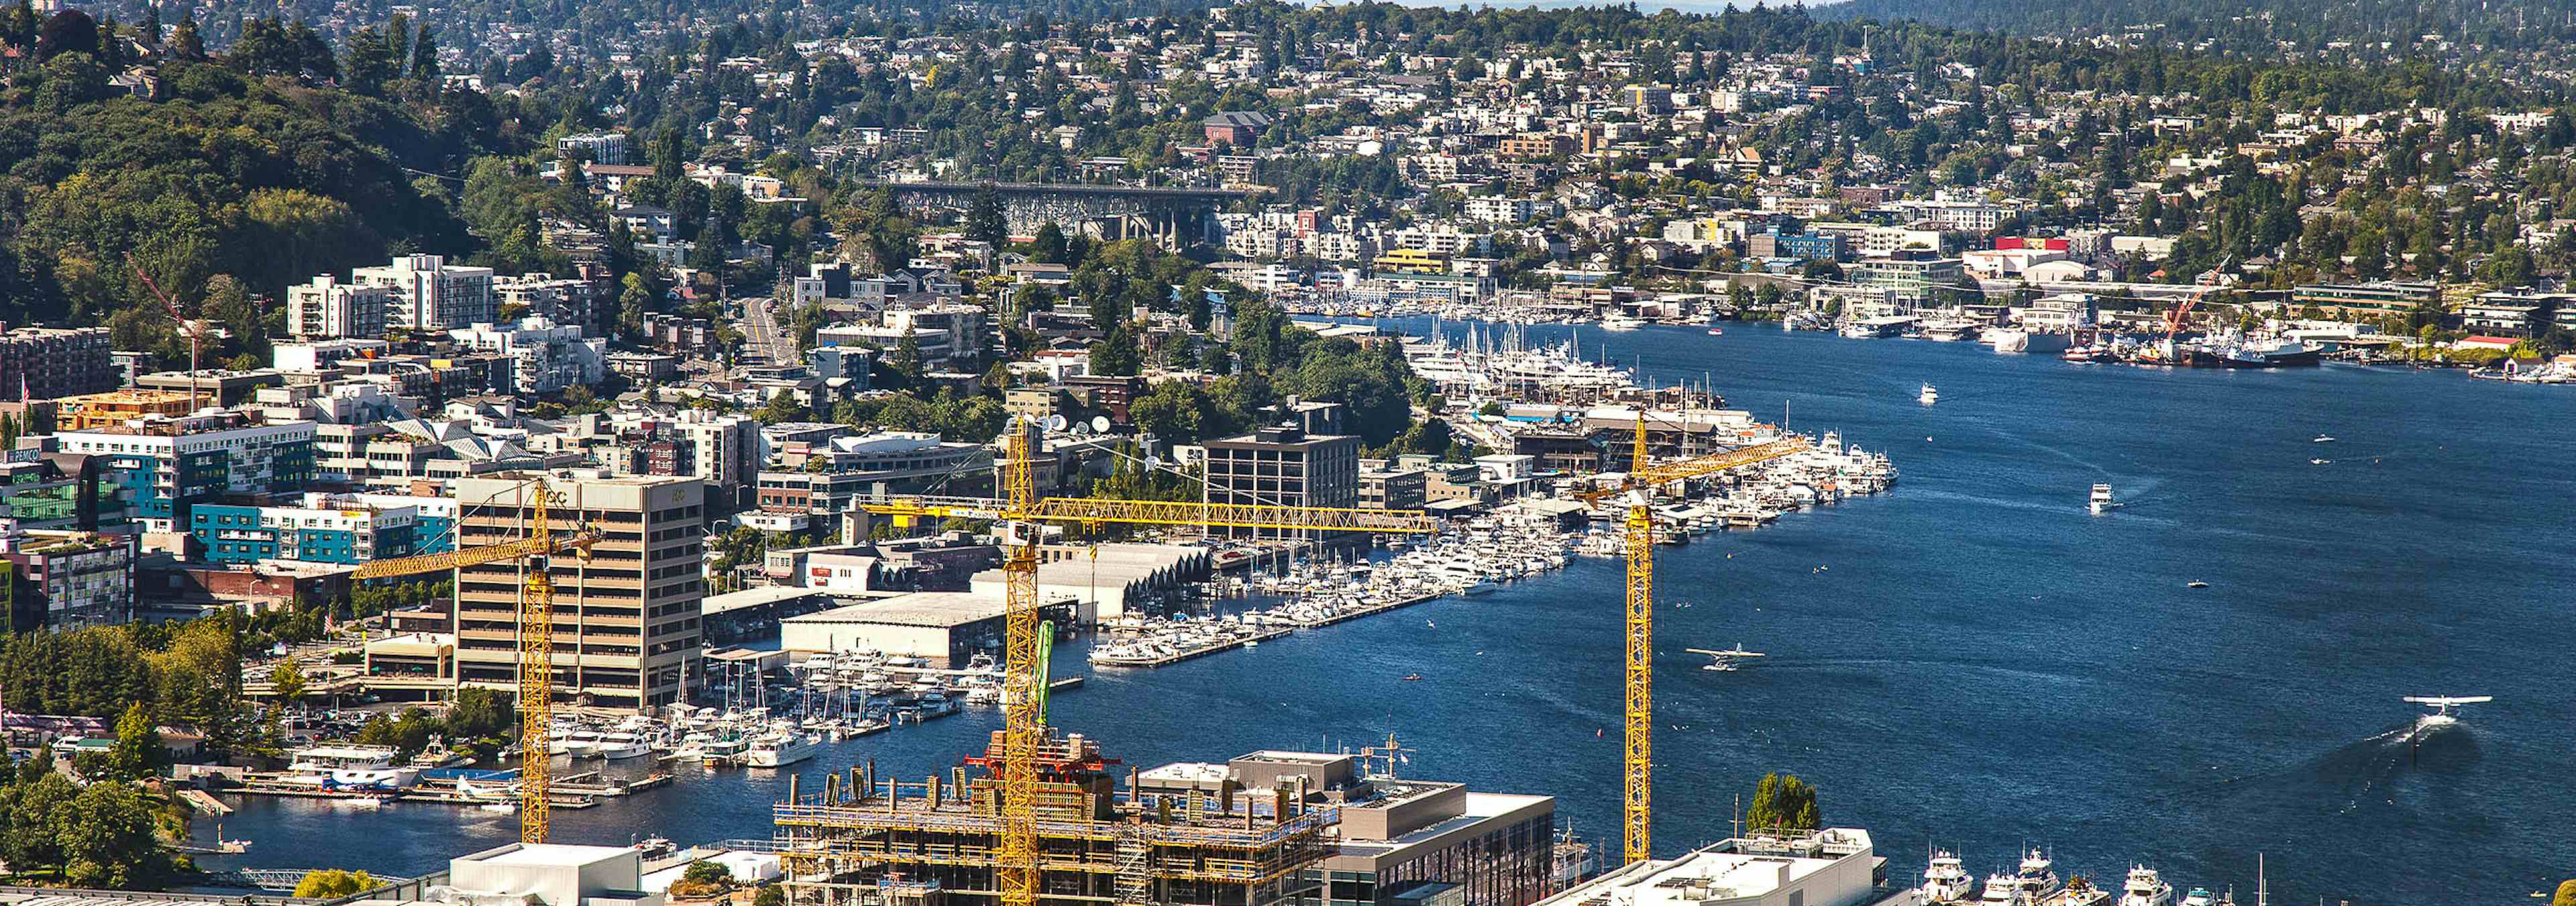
(1980, 664)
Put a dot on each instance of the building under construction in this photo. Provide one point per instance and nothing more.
(881, 841)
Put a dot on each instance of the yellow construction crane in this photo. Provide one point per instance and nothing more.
(1639, 487)
(1017, 514)
(536, 636)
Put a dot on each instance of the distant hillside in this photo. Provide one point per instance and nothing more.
(225, 188)
(2546, 26)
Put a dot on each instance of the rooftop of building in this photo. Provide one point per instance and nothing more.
(548, 854)
(936, 609)
(1743, 869)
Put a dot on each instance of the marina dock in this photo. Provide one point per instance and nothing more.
(1227, 643)
(1364, 611)
(577, 791)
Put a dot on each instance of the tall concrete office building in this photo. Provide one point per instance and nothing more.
(1285, 466)
(626, 630)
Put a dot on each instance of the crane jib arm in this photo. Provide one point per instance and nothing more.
(430, 563)
(1717, 462)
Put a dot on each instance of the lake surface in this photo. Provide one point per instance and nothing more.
(1970, 661)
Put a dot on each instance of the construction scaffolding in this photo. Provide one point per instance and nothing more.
(881, 842)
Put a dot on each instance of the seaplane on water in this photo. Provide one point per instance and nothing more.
(1724, 661)
(2446, 707)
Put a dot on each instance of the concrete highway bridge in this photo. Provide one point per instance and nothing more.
(1172, 216)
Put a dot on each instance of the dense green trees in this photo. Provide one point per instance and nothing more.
(1782, 802)
(183, 673)
(102, 835)
(230, 176)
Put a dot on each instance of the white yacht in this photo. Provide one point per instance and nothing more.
(1929, 395)
(2200, 896)
(1946, 881)
(779, 750)
(2101, 501)
(1621, 322)
(724, 753)
(622, 745)
(581, 743)
(2001, 890)
(2146, 888)
(2038, 876)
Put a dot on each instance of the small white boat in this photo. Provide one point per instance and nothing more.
(1621, 322)
(1929, 395)
(2322, 439)
(2101, 501)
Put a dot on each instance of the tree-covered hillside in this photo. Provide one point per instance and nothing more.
(230, 185)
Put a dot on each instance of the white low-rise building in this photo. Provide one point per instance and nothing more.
(547, 356)
(1830, 867)
(553, 874)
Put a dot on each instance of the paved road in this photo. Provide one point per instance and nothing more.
(765, 335)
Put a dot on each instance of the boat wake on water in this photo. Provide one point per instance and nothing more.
(2362, 776)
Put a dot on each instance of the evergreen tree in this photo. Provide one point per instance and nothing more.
(184, 42)
(1048, 247)
(906, 362)
(369, 64)
(984, 221)
(424, 60)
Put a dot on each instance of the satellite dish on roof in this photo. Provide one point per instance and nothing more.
(1055, 423)
(1153, 462)
(1100, 423)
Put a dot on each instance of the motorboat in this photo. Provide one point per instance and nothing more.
(622, 745)
(2322, 439)
(581, 743)
(2001, 890)
(725, 753)
(2146, 888)
(1946, 881)
(1621, 323)
(2037, 876)
(1929, 395)
(1716, 331)
(2080, 891)
(2200, 896)
(778, 750)
(2100, 501)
